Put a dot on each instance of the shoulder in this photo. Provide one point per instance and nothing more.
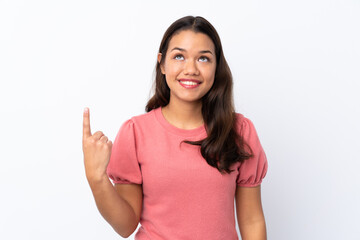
(140, 124)
(140, 119)
(243, 124)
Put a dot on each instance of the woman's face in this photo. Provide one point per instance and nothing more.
(189, 66)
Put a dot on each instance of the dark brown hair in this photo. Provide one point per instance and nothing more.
(223, 145)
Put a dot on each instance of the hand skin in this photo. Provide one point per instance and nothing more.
(97, 150)
(114, 209)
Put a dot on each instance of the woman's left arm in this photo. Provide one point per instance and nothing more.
(249, 213)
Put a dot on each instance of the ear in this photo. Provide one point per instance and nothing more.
(159, 56)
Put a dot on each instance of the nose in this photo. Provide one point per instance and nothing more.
(190, 68)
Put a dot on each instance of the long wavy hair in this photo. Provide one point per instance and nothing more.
(224, 144)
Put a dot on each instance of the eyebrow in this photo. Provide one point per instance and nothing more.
(183, 50)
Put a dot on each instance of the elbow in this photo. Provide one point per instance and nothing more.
(125, 226)
(125, 233)
(122, 233)
(253, 230)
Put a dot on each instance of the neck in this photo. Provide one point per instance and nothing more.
(184, 115)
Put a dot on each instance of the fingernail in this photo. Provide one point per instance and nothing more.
(86, 110)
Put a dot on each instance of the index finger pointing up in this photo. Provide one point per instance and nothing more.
(86, 123)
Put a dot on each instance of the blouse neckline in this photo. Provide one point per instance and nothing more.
(175, 130)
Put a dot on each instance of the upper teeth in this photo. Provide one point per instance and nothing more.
(189, 82)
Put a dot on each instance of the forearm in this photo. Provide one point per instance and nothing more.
(115, 210)
(253, 230)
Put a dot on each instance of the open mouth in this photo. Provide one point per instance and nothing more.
(189, 83)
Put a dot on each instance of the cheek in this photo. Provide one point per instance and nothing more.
(210, 74)
(171, 69)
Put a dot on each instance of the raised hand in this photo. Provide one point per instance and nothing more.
(97, 150)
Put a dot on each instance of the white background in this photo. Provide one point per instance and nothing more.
(296, 76)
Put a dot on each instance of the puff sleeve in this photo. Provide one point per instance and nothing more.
(252, 171)
(123, 166)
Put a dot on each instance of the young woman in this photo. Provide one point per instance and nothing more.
(178, 167)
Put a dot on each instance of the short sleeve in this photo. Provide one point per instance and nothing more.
(123, 166)
(252, 170)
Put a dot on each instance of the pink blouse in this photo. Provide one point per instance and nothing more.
(183, 196)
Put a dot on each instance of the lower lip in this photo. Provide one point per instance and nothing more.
(188, 86)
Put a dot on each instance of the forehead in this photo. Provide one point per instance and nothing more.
(191, 41)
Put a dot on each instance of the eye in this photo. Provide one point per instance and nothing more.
(179, 55)
(206, 58)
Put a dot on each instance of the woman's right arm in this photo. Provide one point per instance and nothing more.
(120, 205)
